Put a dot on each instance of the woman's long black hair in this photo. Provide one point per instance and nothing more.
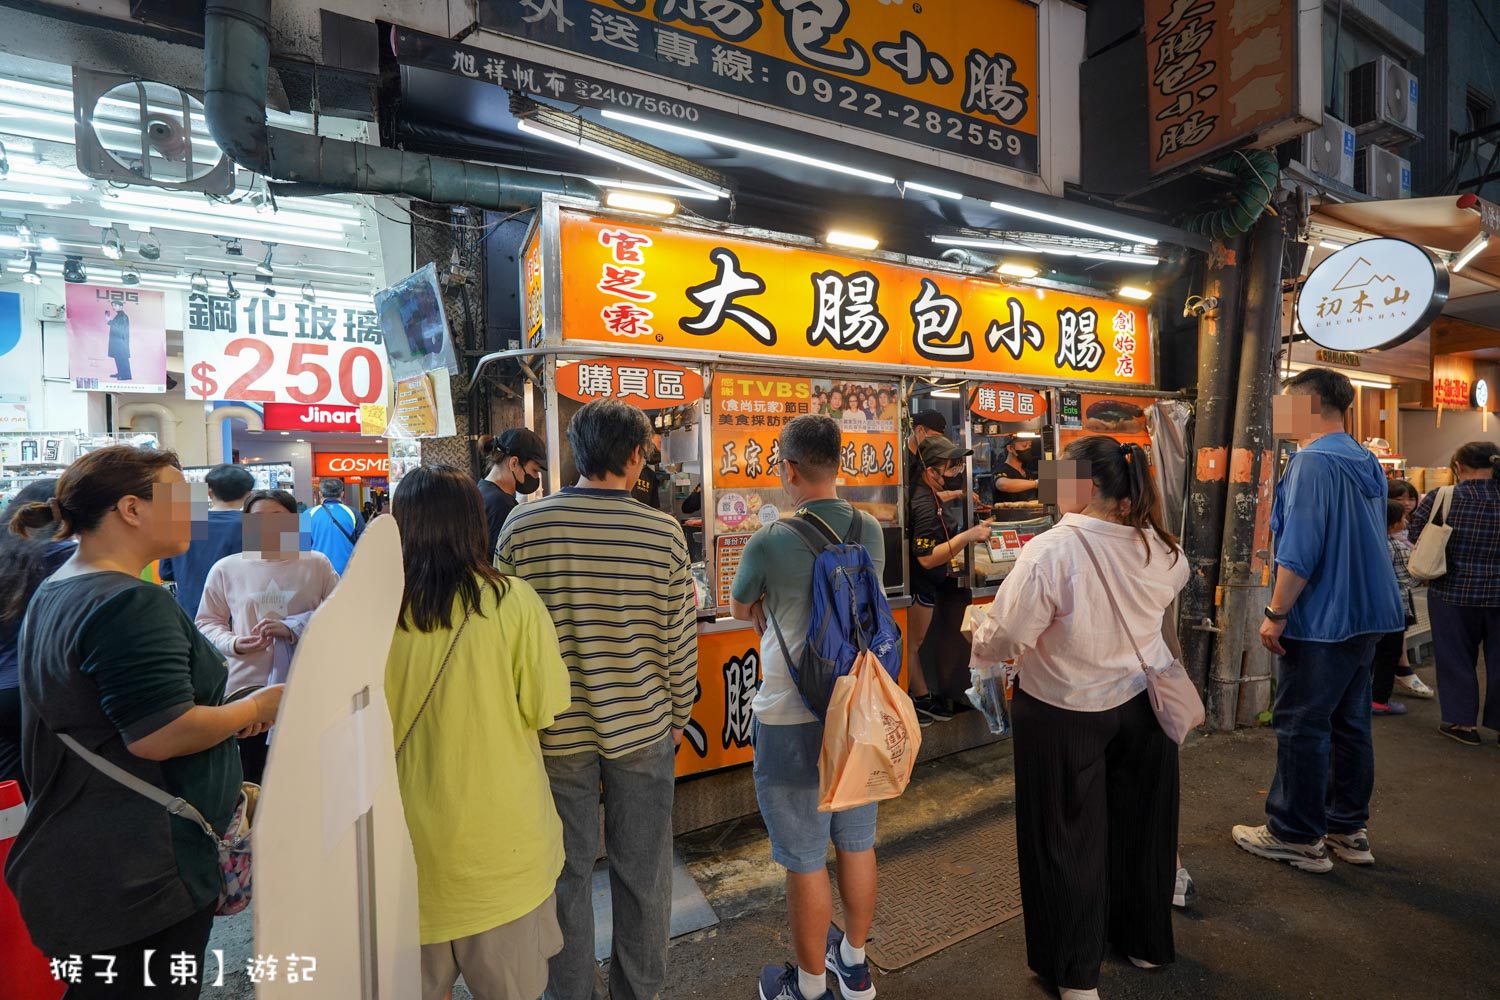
(444, 544)
(23, 562)
(1123, 472)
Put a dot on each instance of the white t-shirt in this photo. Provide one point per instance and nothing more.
(1052, 614)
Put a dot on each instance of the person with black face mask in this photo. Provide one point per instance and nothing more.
(1016, 476)
(517, 460)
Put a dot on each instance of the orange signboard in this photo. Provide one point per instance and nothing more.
(531, 285)
(750, 410)
(631, 282)
(1218, 72)
(650, 385)
(1008, 403)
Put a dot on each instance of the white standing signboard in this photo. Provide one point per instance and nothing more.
(335, 877)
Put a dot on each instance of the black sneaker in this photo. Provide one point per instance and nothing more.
(1468, 737)
(930, 710)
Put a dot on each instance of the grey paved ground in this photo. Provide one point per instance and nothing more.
(1422, 924)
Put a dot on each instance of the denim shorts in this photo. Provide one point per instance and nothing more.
(786, 786)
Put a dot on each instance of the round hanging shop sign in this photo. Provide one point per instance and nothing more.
(1372, 295)
(1481, 394)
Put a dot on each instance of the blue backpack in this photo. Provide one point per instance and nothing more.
(849, 612)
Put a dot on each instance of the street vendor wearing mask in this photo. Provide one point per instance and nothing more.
(935, 540)
(517, 460)
(1016, 477)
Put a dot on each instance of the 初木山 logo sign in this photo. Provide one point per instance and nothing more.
(1372, 295)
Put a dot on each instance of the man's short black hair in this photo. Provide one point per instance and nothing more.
(812, 443)
(331, 489)
(930, 419)
(604, 434)
(1333, 389)
(229, 483)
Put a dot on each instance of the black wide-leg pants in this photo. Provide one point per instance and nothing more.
(1096, 836)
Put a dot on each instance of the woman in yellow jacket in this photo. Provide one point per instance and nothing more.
(473, 674)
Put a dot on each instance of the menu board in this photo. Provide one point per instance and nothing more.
(727, 552)
(1120, 417)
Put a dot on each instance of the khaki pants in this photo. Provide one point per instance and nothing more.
(508, 962)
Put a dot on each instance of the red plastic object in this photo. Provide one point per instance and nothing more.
(28, 974)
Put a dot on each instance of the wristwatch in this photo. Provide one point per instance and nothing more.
(1271, 614)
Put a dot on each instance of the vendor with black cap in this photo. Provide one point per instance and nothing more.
(924, 424)
(935, 540)
(1016, 476)
(517, 459)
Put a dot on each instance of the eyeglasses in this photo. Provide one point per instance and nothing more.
(788, 461)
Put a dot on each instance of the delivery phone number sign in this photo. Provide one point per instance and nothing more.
(259, 350)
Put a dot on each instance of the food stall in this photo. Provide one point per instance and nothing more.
(722, 334)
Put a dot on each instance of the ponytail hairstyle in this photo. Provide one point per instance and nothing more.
(489, 449)
(1478, 455)
(1122, 472)
(91, 488)
(23, 558)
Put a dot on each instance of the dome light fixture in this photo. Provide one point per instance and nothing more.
(149, 247)
(130, 276)
(198, 283)
(264, 267)
(233, 293)
(31, 277)
(308, 294)
(73, 269)
(111, 244)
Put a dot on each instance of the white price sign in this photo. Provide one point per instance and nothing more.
(268, 352)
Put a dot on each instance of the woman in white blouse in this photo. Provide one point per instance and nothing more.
(1096, 778)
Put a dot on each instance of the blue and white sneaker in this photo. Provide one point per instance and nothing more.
(780, 983)
(854, 980)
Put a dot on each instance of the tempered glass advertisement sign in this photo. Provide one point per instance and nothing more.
(713, 291)
(943, 74)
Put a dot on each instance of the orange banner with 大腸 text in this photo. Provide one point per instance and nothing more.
(664, 286)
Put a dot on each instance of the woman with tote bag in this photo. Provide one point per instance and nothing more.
(1464, 602)
(1083, 609)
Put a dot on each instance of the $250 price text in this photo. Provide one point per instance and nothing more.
(262, 370)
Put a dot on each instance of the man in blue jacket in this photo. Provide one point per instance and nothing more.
(334, 525)
(1335, 594)
(220, 534)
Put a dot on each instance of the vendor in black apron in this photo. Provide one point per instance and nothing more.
(1016, 475)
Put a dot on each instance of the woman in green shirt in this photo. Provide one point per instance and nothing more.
(113, 662)
(474, 672)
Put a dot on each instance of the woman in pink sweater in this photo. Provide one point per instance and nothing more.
(257, 602)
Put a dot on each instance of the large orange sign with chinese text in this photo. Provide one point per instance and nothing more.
(630, 282)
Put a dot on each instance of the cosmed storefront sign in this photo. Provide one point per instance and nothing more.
(660, 286)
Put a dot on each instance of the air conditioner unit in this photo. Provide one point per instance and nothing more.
(1382, 92)
(1329, 151)
(1380, 173)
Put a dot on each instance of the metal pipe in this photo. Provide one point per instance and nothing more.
(1251, 472)
(1218, 372)
(236, 61)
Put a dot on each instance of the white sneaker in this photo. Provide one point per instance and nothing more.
(1141, 963)
(1079, 994)
(1413, 687)
(1184, 892)
(1262, 843)
(1353, 848)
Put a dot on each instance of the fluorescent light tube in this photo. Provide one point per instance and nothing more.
(983, 244)
(749, 147)
(940, 192)
(611, 183)
(631, 201)
(944, 394)
(854, 241)
(563, 138)
(1018, 270)
(1468, 253)
(1132, 292)
(1331, 245)
(1073, 223)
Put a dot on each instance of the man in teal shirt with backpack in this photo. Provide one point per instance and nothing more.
(774, 588)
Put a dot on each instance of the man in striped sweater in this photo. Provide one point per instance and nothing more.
(616, 577)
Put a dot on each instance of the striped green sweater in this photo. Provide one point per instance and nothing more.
(615, 575)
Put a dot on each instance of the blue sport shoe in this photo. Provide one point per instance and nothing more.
(854, 980)
(780, 983)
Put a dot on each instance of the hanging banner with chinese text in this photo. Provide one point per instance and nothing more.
(1007, 403)
(651, 385)
(703, 290)
(257, 349)
(959, 77)
(117, 339)
(749, 411)
(1219, 71)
